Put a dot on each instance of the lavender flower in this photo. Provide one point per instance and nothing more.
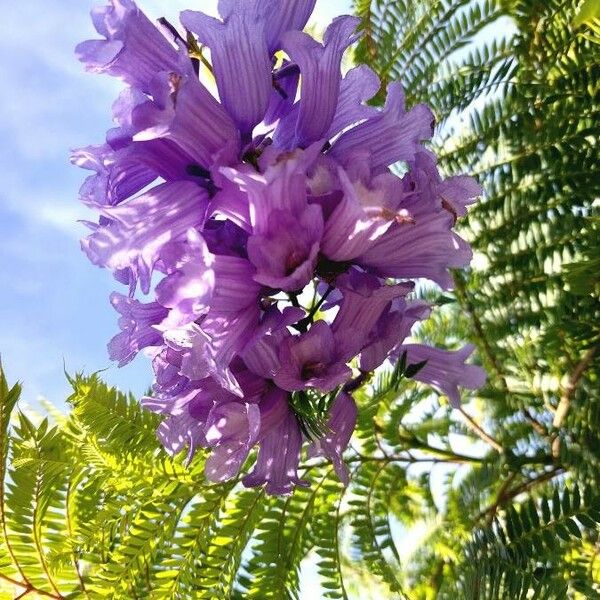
(231, 211)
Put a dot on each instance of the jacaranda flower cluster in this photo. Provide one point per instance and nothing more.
(263, 220)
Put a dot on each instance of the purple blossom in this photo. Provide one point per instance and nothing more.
(138, 323)
(138, 229)
(364, 298)
(134, 49)
(233, 211)
(340, 425)
(320, 68)
(279, 447)
(311, 360)
(189, 284)
(285, 255)
(447, 371)
(231, 431)
(240, 57)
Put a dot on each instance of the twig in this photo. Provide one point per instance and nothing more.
(565, 401)
(72, 537)
(486, 437)
(543, 478)
(419, 445)
(294, 299)
(488, 351)
(537, 426)
(28, 587)
(527, 485)
(461, 290)
(357, 382)
(500, 496)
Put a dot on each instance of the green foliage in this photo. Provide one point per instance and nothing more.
(525, 551)
(514, 85)
(496, 500)
(96, 509)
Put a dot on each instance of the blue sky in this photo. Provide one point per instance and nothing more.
(54, 306)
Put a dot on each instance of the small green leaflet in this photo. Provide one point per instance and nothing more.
(589, 11)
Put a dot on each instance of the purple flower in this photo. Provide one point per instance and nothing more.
(232, 211)
(138, 327)
(138, 229)
(240, 57)
(183, 112)
(189, 285)
(321, 76)
(393, 326)
(445, 370)
(364, 298)
(427, 248)
(279, 447)
(231, 431)
(391, 136)
(286, 254)
(311, 360)
(452, 194)
(261, 354)
(134, 49)
(362, 216)
(342, 419)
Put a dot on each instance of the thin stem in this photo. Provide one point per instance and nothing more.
(294, 299)
(537, 426)
(419, 445)
(534, 482)
(500, 496)
(199, 55)
(565, 402)
(13, 581)
(304, 323)
(355, 383)
(37, 534)
(461, 290)
(321, 301)
(36, 528)
(28, 587)
(171, 29)
(72, 536)
(477, 429)
(527, 485)
(4, 523)
(336, 542)
(488, 351)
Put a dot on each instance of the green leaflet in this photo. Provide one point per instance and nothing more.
(589, 10)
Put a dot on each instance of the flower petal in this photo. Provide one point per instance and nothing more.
(341, 423)
(134, 51)
(359, 85)
(444, 369)
(279, 449)
(137, 323)
(391, 136)
(231, 430)
(364, 300)
(184, 112)
(320, 68)
(141, 226)
(427, 249)
(240, 59)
